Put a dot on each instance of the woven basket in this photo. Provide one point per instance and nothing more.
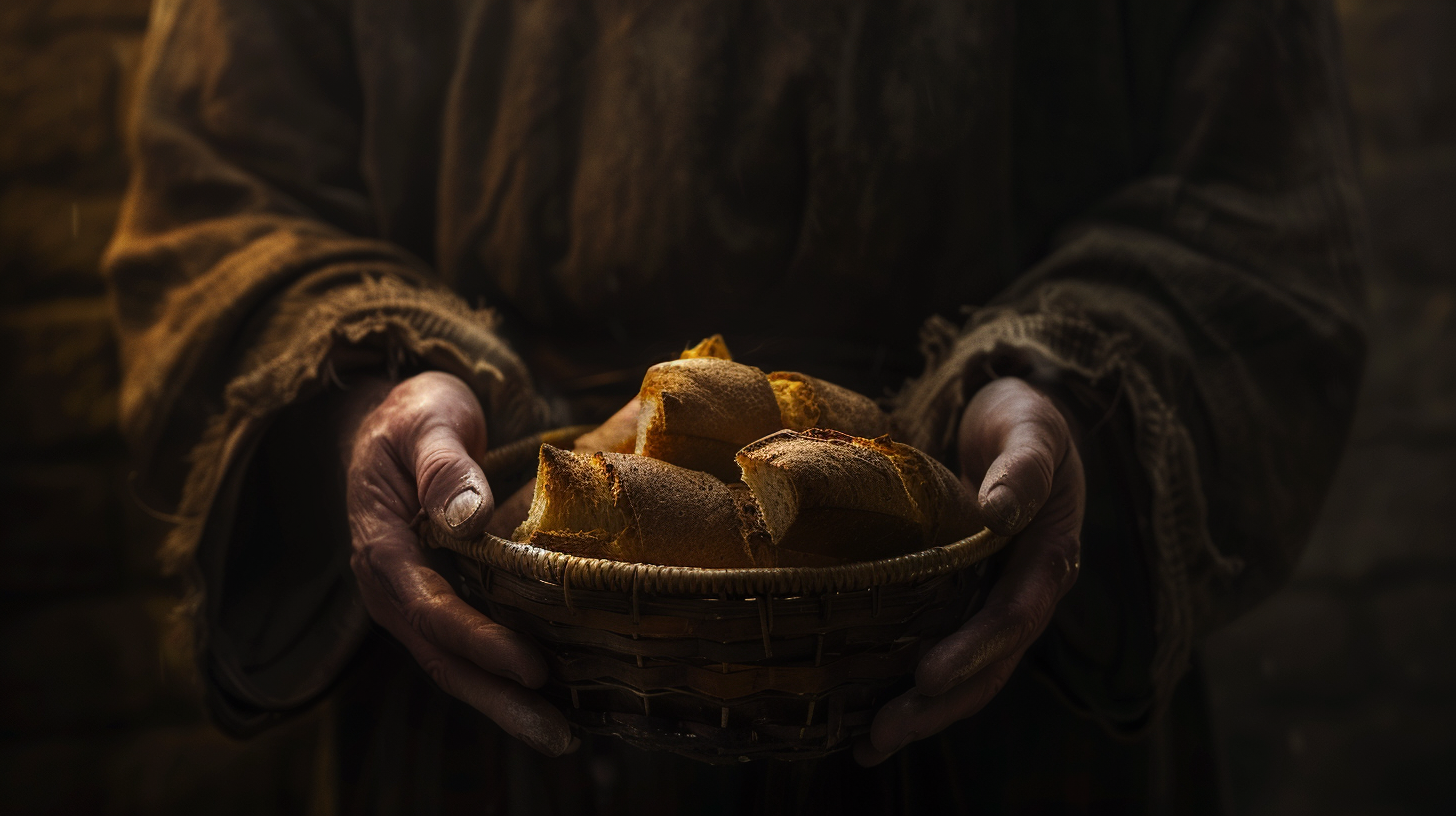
(725, 665)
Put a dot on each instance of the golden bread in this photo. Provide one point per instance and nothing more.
(572, 494)
(947, 509)
(709, 347)
(808, 402)
(736, 468)
(697, 413)
(634, 508)
(822, 493)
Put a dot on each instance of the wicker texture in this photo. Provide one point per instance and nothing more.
(725, 665)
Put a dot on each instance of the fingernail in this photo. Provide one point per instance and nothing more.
(548, 741)
(1002, 502)
(462, 507)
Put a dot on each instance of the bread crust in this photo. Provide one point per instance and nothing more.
(808, 402)
(948, 511)
(697, 413)
(675, 516)
(633, 508)
(823, 493)
(809, 496)
(708, 347)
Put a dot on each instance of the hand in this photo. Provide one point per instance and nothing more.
(412, 449)
(1015, 445)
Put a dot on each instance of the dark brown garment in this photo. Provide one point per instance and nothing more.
(1155, 196)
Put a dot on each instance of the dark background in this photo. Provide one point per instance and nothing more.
(1334, 697)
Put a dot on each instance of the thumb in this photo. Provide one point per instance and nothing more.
(1025, 436)
(452, 487)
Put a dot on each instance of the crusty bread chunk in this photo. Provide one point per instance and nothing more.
(946, 508)
(633, 508)
(827, 493)
(756, 539)
(573, 494)
(619, 433)
(808, 402)
(822, 482)
(697, 413)
(708, 347)
(822, 493)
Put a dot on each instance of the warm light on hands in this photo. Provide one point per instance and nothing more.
(416, 451)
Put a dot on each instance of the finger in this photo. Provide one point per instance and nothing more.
(523, 714)
(418, 606)
(1042, 565)
(1021, 438)
(443, 451)
(914, 716)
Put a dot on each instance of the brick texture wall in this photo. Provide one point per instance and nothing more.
(1332, 698)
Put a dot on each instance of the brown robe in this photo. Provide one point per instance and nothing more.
(1156, 198)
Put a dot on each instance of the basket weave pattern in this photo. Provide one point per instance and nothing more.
(725, 665)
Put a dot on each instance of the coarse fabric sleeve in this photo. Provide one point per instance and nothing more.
(1213, 311)
(245, 282)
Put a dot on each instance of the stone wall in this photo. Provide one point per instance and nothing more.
(1331, 698)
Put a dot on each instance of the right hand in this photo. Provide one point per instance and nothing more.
(411, 449)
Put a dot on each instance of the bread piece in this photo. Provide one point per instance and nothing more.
(807, 402)
(709, 347)
(798, 409)
(756, 540)
(947, 509)
(632, 508)
(676, 516)
(573, 494)
(823, 494)
(697, 413)
(618, 434)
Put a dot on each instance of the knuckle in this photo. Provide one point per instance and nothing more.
(438, 463)
(1021, 620)
(364, 557)
(359, 560)
(438, 670)
(421, 616)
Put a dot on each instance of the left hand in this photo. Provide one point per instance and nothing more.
(1014, 445)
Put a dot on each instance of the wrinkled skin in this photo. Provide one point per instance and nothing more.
(412, 448)
(1017, 452)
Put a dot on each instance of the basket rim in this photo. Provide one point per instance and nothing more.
(577, 572)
